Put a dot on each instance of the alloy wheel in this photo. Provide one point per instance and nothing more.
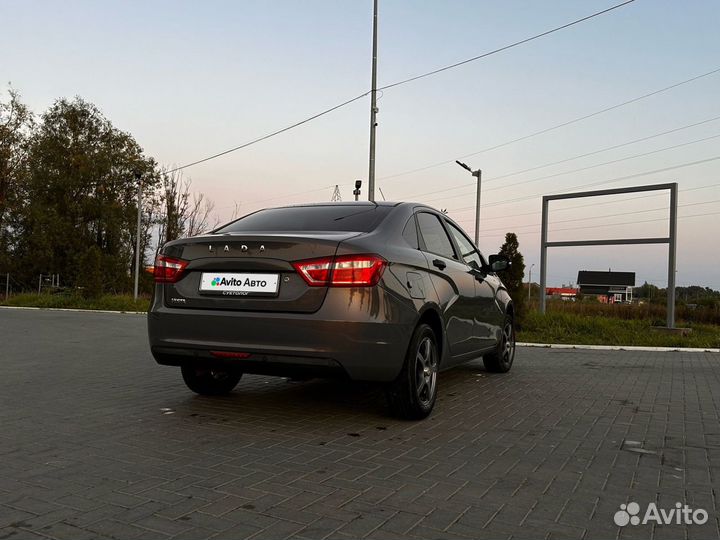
(508, 344)
(426, 371)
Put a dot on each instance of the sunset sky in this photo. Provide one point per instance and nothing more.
(190, 79)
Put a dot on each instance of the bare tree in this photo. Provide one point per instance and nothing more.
(198, 215)
(182, 213)
(174, 202)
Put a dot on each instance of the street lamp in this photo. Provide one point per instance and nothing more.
(138, 178)
(477, 174)
(530, 280)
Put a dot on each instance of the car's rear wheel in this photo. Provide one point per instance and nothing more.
(210, 381)
(412, 395)
(501, 360)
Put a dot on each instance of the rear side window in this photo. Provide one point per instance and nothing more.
(310, 218)
(434, 235)
(410, 232)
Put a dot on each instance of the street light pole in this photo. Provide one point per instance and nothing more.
(478, 175)
(138, 177)
(373, 107)
(530, 280)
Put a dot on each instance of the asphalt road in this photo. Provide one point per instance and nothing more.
(97, 441)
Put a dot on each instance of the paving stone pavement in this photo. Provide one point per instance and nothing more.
(97, 441)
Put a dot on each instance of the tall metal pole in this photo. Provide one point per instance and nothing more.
(373, 107)
(530, 280)
(671, 256)
(137, 237)
(477, 174)
(543, 254)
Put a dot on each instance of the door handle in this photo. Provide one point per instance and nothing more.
(439, 264)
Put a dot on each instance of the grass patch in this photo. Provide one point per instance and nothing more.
(571, 328)
(553, 327)
(109, 302)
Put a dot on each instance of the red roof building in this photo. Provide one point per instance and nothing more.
(563, 292)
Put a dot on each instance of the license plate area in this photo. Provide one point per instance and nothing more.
(239, 284)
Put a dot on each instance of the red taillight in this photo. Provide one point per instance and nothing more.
(357, 270)
(315, 272)
(343, 271)
(168, 269)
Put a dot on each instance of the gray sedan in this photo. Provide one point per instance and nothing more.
(387, 292)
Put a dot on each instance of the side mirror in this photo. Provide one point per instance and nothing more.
(498, 263)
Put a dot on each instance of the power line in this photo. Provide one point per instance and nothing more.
(553, 128)
(614, 224)
(600, 203)
(278, 132)
(587, 154)
(611, 162)
(611, 181)
(605, 216)
(594, 152)
(398, 83)
(531, 180)
(504, 48)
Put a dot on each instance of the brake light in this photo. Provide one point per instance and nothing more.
(168, 269)
(315, 272)
(343, 271)
(357, 270)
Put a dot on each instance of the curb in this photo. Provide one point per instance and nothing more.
(75, 310)
(616, 348)
(519, 344)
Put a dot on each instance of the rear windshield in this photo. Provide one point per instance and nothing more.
(310, 218)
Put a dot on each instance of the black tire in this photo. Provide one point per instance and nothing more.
(412, 395)
(501, 360)
(210, 381)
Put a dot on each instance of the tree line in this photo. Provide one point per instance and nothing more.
(68, 198)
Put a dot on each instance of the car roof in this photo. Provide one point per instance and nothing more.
(359, 203)
(341, 203)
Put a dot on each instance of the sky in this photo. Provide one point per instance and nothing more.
(190, 79)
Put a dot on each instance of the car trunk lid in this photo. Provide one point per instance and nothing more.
(249, 271)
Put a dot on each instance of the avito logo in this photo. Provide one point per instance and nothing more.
(629, 514)
(234, 282)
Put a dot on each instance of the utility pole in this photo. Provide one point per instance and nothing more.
(336, 197)
(138, 177)
(478, 175)
(373, 107)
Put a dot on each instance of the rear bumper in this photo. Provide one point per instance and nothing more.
(359, 333)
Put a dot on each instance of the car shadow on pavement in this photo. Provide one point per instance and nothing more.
(274, 401)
